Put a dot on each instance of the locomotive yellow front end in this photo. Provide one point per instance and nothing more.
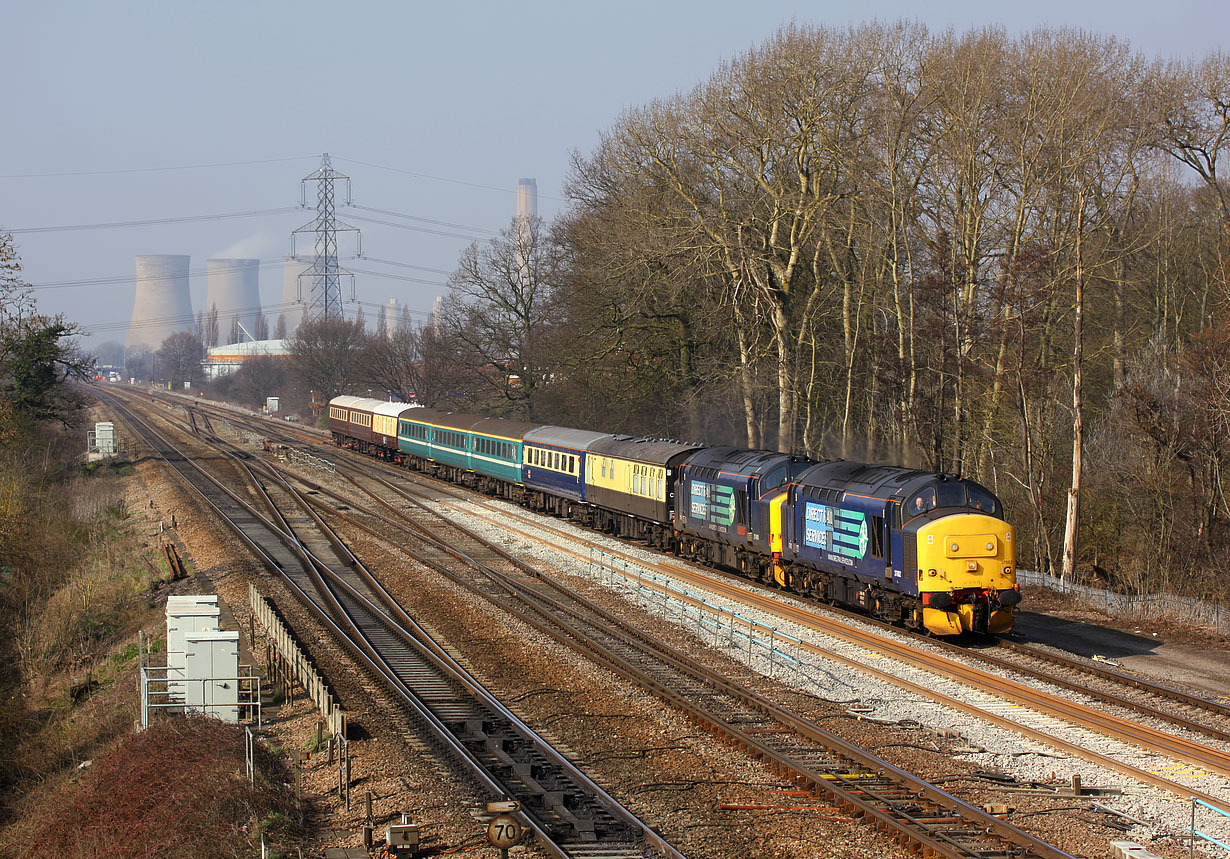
(967, 574)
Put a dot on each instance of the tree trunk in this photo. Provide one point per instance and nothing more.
(1074, 491)
(785, 389)
(847, 328)
(745, 381)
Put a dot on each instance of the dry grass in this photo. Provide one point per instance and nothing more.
(177, 789)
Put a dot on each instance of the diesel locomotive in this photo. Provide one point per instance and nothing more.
(926, 550)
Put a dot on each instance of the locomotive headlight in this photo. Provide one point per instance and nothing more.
(955, 547)
(990, 547)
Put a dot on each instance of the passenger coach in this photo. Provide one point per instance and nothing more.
(554, 468)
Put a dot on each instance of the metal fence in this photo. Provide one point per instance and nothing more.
(244, 701)
(1196, 611)
(308, 459)
(1200, 835)
(297, 662)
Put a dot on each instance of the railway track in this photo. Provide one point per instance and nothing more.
(570, 815)
(1196, 753)
(816, 760)
(1118, 728)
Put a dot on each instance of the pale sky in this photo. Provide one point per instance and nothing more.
(459, 100)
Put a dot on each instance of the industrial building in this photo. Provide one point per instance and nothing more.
(224, 360)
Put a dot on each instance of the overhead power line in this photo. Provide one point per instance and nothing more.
(377, 305)
(424, 220)
(152, 169)
(413, 228)
(427, 176)
(132, 278)
(269, 311)
(405, 265)
(145, 223)
(397, 277)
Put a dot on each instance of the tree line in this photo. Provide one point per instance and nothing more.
(998, 256)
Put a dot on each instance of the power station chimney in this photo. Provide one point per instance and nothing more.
(234, 289)
(527, 200)
(163, 303)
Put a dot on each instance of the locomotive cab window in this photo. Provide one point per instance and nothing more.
(981, 500)
(772, 480)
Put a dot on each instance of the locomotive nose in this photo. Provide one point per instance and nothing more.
(966, 576)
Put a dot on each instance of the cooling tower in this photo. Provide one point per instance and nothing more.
(163, 304)
(292, 308)
(234, 288)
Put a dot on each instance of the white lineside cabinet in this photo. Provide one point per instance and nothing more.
(104, 437)
(211, 674)
(186, 615)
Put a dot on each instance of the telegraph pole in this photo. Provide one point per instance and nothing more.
(325, 275)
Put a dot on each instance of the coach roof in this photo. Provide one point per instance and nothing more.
(573, 439)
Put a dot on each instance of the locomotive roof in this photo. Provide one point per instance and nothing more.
(656, 451)
(576, 439)
(875, 480)
(737, 460)
(879, 481)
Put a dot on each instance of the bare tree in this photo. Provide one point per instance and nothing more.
(326, 355)
(209, 330)
(500, 308)
(259, 377)
(180, 357)
(395, 365)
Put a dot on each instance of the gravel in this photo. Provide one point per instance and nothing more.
(765, 643)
